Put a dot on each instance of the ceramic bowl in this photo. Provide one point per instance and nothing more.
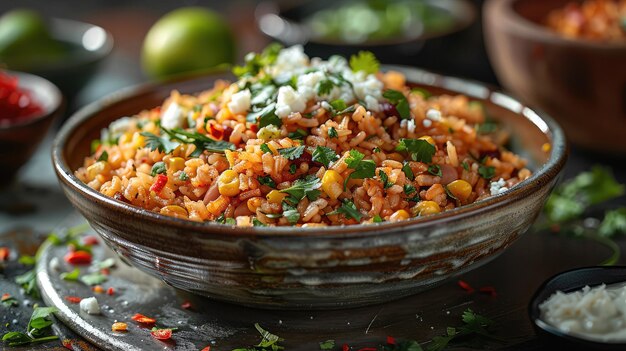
(581, 83)
(18, 141)
(571, 281)
(87, 44)
(331, 267)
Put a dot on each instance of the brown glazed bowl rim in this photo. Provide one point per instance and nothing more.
(541, 177)
(51, 90)
(508, 15)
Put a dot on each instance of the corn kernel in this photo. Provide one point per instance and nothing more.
(424, 208)
(460, 189)
(228, 183)
(332, 183)
(174, 211)
(176, 163)
(276, 196)
(429, 139)
(119, 326)
(125, 138)
(138, 140)
(399, 215)
(230, 157)
(97, 168)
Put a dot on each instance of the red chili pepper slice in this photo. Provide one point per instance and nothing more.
(5, 296)
(68, 344)
(345, 347)
(488, 290)
(159, 184)
(465, 286)
(208, 348)
(4, 253)
(105, 271)
(73, 299)
(138, 317)
(391, 340)
(90, 240)
(216, 131)
(254, 128)
(186, 305)
(78, 257)
(162, 334)
(110, 291)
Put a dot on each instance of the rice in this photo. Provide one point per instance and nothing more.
(225, 155)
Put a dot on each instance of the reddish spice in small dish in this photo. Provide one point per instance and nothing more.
(4, 253)
(162, 334)
(73, 299)
(465, 286)
(78, 257)
(16, 104)
(138, 317)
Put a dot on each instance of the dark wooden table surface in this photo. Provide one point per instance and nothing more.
(33, 205)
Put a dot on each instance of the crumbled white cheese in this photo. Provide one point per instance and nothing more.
(307, 84)
(120, 126)
(90, 305)
(55, 264)
(289, 60)
(427, 123)
(371, 103)
(498, 187)
(409, 124)
(173, 116)
(240, 102)
(433, 114)
(289, 101)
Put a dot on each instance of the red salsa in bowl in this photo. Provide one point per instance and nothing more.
(16, 104)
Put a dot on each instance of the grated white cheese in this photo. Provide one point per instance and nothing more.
(498, 187)
(289, 101)
(433, 114)
(240, 102)
(90, 305)
(173, 116)
(307, 84)
(427, 123)
(409, 124)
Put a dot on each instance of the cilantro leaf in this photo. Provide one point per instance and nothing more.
(257, 223)
(465, 165)
(332, 132)
(71, 276)
(435, 170)
(399, 101)
(292, 153)
(324, 155)
(270, 118)
(614, 222)
(298, 134)
(377, 219)
(338, 105)
(255, 116)
(486, 172)
(291, 213)
(104, 156)
(293, 168)
(348, 209)
(364, 61)
(409, 189)
(93, 278)
(267, 180)
(255, 62)
(265, 148)
(384, 178)
(201, 141)
(268, 339)
(420, 150)
(324, 87)
(327, 345)
(183, 176)
(362, 168)
(155, 142)
(408, 171)
(304, 187)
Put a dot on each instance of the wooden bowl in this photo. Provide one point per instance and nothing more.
(581, 83)
(319, 267)
(18, 141)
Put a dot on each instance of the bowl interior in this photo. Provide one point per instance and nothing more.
(529, 136)
(288, 23)
(571, 281)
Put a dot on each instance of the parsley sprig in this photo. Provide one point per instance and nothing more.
(362, 168)
(364, 61)
(398, 99)
(37, 329)
(303, 187)
(420, 150)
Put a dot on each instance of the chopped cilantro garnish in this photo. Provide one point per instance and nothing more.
(292, 153)
(158, 168)
(265, 148)
(183, 176)
(324, 155)
(425, 93)
(435, 170)
(338, 105)
(71, 276)
(465, 165)
(384, 178)
(420, 150)
(409, 189)
(163, 144)
(486, 128)
(257, 223)
(408, 171)
(348, 209)
(376, 150)
(332, 132)
(95, 144)
(36, 330)
(267, 180)
(362, 168)
(327, 345)
(201, 141)
(399, 101)
(255, 62)
(298, 134)
(324, 87)
(364, 61)
(486, 172)
(93, 278)
(377, 219)
(304, 187)
(293, 168)
(614, 222)
(291, 213)
(104, 156)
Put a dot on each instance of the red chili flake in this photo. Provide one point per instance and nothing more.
(186, 305)
(227, 132)
(216, 131)
(159, 184)
(345, 347)
(4, 253)
(110, 291)
(208, 348)
(162, 334)
(465, 286)
(68, 344)
(16, 104)
(138, 317)
(254, 128)
(105, 271)
(90, 240)
(73, 299)
(488, 290)
(78, 257)
(391, 340)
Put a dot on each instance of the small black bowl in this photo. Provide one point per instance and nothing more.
(570, 281)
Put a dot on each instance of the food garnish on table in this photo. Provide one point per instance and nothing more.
(307, 142)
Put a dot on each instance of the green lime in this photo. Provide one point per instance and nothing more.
(186, 40)
(25, 40)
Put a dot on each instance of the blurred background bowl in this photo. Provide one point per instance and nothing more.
(319, 267)
(581, 83)
(18, 141)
